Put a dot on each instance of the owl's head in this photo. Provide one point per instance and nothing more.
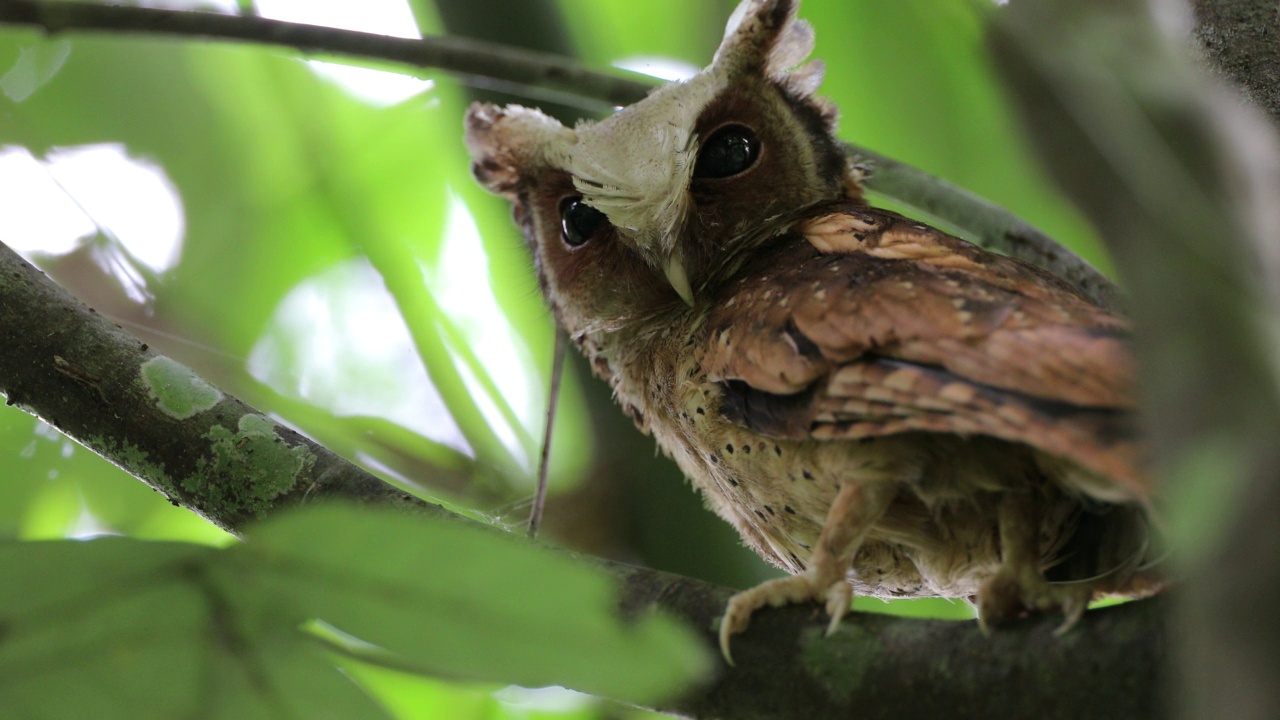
(647, 206)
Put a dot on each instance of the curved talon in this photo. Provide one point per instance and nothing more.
(1075, 600)
(839, 596)
(1009, 594)
(776, 593)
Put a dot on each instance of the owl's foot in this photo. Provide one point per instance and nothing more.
(811, 585)
(1017, 591)
(857, 506)
(1019, 586)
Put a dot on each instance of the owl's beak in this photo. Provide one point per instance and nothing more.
(679, 279)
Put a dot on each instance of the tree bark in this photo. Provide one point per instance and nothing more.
(200, 447)
(1241, 39)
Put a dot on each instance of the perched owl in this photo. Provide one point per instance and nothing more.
(876, 406)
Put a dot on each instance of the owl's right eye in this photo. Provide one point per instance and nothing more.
(730, 150)
(579, 221)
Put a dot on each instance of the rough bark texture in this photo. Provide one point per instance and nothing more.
(1242, 41)
(153, 417)
(876, 666)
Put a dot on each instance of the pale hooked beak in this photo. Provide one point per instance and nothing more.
(679, 279)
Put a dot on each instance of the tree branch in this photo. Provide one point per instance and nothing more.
(876, 667)
(548, 77)
(479, 63)
(154, 418)
(987, 224)
(210, 452)
(1240, 41)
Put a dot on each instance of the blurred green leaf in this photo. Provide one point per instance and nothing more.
(118, 628)
(463, 602)
(123, 628)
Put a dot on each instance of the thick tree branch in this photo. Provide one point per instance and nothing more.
(881, 667)
(158, 421)
(70, 366)
(544, 76)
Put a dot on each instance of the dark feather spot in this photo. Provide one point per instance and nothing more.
(729, 448)
(788, 509)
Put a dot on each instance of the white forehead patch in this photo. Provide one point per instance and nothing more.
(635, 165)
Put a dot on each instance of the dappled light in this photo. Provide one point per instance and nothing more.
(53, 204)
(340, 325)
(386, 17)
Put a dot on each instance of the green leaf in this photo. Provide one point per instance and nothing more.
(463, 602)
(118, 628)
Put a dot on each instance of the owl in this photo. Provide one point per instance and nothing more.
(876, 406)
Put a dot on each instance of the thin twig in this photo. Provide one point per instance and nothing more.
(547, 77)
(988, 225)
(479, 63)
(544, 461)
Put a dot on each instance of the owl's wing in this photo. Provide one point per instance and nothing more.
(863, 323)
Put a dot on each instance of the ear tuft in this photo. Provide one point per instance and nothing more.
(505, 142)
(764, 36)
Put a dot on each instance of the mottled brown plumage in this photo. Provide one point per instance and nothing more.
(876, 406)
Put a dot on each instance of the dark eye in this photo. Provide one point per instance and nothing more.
(579, 221)
(729, 151)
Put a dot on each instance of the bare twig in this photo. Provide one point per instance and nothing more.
(987, 224)
(544, 460)
(479, 63)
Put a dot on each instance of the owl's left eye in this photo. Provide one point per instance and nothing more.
(728, 151)
(579, 221)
